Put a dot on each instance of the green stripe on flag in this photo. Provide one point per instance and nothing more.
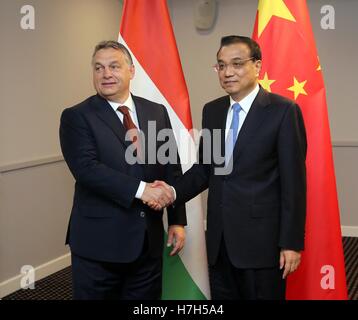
(177, 282)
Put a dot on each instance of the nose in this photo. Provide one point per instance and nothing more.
(228, 72)
(107, 72)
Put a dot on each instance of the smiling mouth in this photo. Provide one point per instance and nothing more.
(108, 84)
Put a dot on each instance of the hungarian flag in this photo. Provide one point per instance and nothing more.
(147, 32)
(291, 68)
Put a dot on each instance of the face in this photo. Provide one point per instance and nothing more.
(112, 73)
(238, 75)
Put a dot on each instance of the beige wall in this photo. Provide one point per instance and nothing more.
(35, 203)
(345, 160)
(47, 69)
(42, 72)
(337, 51)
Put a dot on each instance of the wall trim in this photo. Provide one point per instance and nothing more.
(346, 144)
(348, 231)
(30, 163)
(11, 285)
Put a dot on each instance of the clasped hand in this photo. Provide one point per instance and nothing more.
(158, 195)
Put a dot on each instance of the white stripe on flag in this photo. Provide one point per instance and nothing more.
(193, 255)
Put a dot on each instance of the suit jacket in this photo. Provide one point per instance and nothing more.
(107, 222)
(260, 206)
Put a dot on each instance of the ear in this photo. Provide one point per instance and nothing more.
(132, 71)
(258, 65)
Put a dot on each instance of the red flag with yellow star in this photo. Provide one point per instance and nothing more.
(291, 68)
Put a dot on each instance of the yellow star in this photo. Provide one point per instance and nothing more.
(269, 8)
(266, 82)
(319, 65)
(298, 88)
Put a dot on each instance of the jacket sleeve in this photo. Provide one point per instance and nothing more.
(176, 213)
(80, 152)
(196, 179)
(292, 148)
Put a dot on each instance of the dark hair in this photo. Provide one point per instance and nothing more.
(114, 45)
(252, 44)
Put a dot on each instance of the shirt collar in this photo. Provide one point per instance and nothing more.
(246, 102)
(128, 103)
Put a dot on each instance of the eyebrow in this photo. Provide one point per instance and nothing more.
(233, 59)
(112, 62)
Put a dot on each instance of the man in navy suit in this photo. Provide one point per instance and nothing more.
(116, 240)
(256, 210)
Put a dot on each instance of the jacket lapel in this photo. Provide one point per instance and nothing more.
(108, 115)
(142, 115)
(222, 115)
(143, 119)
(253, 121)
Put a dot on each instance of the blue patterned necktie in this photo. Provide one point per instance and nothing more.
(232, 134)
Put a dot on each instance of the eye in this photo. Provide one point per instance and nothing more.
(237, 65)
(221, 66)
(115, 67)
(98, 68)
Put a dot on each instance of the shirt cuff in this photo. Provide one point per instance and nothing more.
(140, 190)
(175, 193)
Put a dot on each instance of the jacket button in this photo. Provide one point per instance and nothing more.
(142, 214)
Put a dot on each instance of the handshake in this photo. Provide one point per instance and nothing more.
(158, 195)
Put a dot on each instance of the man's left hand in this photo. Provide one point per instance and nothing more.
(176, 237)
(290, 260)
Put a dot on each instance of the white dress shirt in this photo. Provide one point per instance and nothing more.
(133, 113)
(245, 104)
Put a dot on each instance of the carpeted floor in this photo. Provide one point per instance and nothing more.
(58, 286)
(350, 247)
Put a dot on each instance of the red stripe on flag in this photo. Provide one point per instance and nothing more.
(289, 50)
(147, 30)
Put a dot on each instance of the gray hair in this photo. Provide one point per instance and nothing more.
(114, 45)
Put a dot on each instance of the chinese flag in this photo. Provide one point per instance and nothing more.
(291, 68)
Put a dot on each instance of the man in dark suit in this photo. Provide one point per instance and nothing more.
(116, 240)
(256, 210)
